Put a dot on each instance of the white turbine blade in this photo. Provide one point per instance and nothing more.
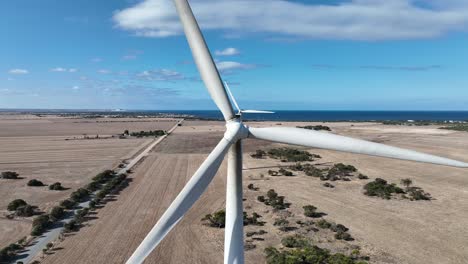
(232, 96)
(201, 54)
(186, 198)
(257, 112)
(303, 137)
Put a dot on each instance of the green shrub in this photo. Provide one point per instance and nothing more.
(328, 185)
(25, 211)
(253, 220)
(15, 204)
(340, 235)
(56, 213)
(417, 193)
(306, 255)
(68, 204)
(79, 195)
(217, 219)
(322, 223)
(294, 241)
(316, 128)
(11, 175)
(362, 177)
(381, 188)
(274, 200)
(57, 186)
(104, 176)
(258, 154)
(40, 224)
(71, 226)
(286, 172)
(311, 211)
(35, 183)
(155, 133)
(290, 155)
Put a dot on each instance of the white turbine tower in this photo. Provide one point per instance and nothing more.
(236, 130)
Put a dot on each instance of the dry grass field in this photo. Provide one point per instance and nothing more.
(389, 231)
(36, 148)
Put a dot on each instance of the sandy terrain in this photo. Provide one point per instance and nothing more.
(395, 231)
(24, 148)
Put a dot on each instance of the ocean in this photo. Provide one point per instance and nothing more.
(340, 115)
(304, 115)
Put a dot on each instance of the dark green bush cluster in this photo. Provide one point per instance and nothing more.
(316, 128)
(255, 233)
(311, 211)
(11, 175)
(9, 252)
(285, 172)
(35, 183)
(25, 211)
(79, 195)
(339, 172)
(253, 220)
(307, 254)
(115, 183)
(151, 133)
(13, 205)
(259, 154)
(56, 213)
(328, 185)
(40, 224)
(273, 200)
(283, 224)
(381, 188)
(362, 177)
(56, 187)
(103, 177)
(217, 219)
(416, 193)
(291, 155)
(21, 208)
(68, 204)
(294, 241)
(308, 169)
(341, 231)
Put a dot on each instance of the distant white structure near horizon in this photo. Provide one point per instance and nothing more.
(231, 144)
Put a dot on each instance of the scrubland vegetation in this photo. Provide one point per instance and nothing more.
(316, 128)
(381, 188)
(151, 133)
(10, 175)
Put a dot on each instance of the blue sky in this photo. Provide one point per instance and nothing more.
(277, 54)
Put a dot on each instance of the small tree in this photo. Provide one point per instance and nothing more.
(35, 183)
(56, 187)
(406, 182)
(10, 175)
(56, 213)
(15, 204)
(25, 211)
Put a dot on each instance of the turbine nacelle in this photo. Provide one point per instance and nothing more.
(236, 130)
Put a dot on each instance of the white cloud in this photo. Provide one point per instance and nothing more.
(232, 66)
(60, 69)
(161, 75)
(351, 20)
(104, 71)
(96, 60)
(18, 71)
(227, 52)
(75, 87)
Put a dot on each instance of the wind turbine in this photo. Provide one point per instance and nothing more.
(231, 144)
